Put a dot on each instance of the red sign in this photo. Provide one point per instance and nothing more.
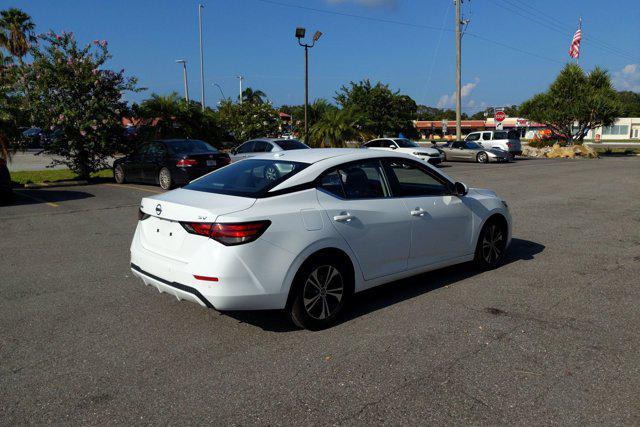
(500, 116)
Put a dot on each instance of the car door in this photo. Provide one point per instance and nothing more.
(457, 151)
(441, 223)
(376, 227)
(153, 160)
(243, 151)
(485, 140)
(132, 164)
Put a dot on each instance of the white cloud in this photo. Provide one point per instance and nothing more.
(628, 78)
(389, 4)
(449, 100)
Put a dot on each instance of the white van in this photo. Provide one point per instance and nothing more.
(499, 139)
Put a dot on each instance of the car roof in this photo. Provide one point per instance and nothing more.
(321, 159)
(272, 139)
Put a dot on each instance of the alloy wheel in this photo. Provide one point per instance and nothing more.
(323, 292)
(165, 179)
(493, 243)
(483, 158)
(271, 173)
(119, 174)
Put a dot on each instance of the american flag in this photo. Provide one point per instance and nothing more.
(574, 49)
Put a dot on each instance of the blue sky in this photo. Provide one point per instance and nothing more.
(513, 49)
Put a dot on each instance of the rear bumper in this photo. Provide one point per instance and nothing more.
(240, 287)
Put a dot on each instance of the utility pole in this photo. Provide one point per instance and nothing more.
(240, 80)
(186, 86)
(200, 6)
(458, 71)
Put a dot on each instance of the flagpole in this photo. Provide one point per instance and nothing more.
(580, 28)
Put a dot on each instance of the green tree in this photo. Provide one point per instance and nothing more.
(16, 32)
(10, 111)
(248, 120)
(253, 96)
(170, 116)
(69, 91)
(629, 103)
(388, 112)
(575, 103)
(336, 127)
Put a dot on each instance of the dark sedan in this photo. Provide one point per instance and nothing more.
(169, 162)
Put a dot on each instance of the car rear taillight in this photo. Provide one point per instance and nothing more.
(229, 234)
(186, 163)
(509, 144)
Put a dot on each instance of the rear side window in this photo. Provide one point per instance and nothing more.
(500, 135)
(290, 144)
(486, 136)
(247, 147)
(361, 180)
(262, 147)
(373, 144)
(248, 178)
(386, 143)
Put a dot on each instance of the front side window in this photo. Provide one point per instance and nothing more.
(406, 143)
(373, 144)
(248, 178)
(407, 179)
(501, 135)
(473, 137)
(387, 143)
(247, 147)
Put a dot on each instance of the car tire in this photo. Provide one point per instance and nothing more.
(119, 175)
(321, 290)
(271, 173)
(492, 245)
(482, 157)
(165, 179)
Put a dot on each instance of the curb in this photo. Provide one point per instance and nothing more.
(54, 184)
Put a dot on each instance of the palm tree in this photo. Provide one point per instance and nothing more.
(335, 128)
(254, 97)
(5, 61)
(16, 32)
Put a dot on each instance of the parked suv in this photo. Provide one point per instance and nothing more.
(498, 139)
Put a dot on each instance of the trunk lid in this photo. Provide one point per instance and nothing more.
(162, 232)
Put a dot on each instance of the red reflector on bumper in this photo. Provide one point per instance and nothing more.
(209, 279)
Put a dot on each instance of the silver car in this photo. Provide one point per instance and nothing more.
(253, 147)
(466, 151)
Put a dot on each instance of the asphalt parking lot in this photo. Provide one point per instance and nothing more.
(550, 337)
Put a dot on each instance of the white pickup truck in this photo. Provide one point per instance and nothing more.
(499, 139)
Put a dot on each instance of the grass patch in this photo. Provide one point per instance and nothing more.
(608, 151)
(53, 175)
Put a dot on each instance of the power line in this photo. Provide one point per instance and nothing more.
(514, 8)
(408, 24)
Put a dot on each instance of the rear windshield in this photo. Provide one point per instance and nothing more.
(188, 146)
(247, 178)
(290, 144)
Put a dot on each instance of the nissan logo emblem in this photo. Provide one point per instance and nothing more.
(158, 209)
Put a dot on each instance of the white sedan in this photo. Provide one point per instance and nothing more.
(332, 222)
(404, 145)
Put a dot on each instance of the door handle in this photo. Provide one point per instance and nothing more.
(418, 212)
(343, 217)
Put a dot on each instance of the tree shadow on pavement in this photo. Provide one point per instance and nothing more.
(34, 197)
(391, 293)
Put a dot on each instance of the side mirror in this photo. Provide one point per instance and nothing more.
(460, 189)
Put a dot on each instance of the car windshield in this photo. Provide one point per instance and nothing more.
(186, 146)
(247, 178)
(290, 144)
(406, 143)
(471, 145)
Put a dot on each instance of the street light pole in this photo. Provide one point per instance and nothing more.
(240, 78)
(458, 72)
(186, 85)
(300, 33)
(220, 89)
(200, 6)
